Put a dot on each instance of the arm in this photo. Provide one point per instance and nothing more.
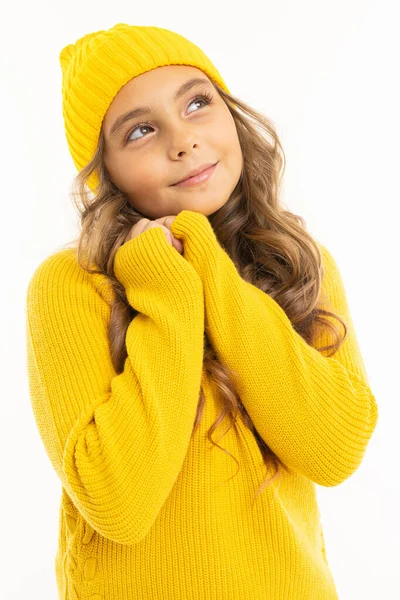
(316, 413)
(117, 442)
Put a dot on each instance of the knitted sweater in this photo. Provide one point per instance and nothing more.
(148, 511)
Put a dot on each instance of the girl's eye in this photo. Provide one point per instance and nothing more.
(206, 97)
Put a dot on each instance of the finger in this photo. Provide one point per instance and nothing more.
(151, 224)
(143, 223)
(178, 245)
(167, 232)
(165, 220)
(174, 242)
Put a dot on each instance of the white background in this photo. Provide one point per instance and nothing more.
(327, 75)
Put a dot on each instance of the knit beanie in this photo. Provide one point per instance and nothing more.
(100, 63)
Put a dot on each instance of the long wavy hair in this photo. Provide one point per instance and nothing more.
(269, 246)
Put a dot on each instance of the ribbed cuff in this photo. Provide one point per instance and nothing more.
(190, 222)
(146, 257)
(199, 240)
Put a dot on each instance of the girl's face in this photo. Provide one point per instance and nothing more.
(150, 152)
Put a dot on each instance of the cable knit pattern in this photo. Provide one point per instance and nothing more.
(148, 511)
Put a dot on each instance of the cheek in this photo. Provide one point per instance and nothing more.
(232, 146)
(137, 178)
(233, 136)
(150, 178)
(227, 134)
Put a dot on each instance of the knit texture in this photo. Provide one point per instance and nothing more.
(148, 511)
(96, 67)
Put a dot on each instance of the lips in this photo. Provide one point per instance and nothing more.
(198, 180)
(195, 172)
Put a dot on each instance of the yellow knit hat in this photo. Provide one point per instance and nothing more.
(100, 63)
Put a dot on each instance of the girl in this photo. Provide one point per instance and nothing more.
(190, 300)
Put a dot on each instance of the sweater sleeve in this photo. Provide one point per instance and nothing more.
(316, 413)
(117, 441)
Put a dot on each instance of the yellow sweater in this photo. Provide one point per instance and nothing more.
(146, 511)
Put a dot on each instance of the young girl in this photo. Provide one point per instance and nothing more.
(187, 379)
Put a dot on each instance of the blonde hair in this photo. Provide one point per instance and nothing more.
(269, 245)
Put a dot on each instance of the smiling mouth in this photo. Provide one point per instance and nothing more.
(199, 178)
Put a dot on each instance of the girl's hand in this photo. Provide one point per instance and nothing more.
(163, 222)
(167, 222)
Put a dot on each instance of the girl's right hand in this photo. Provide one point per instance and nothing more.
(144, 224)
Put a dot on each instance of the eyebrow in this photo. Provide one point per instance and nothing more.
(143, 110)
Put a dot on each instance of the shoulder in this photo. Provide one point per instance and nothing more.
(325, 253)
(328, 261)
(333, 295)
(61, 273)
(58, 269)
